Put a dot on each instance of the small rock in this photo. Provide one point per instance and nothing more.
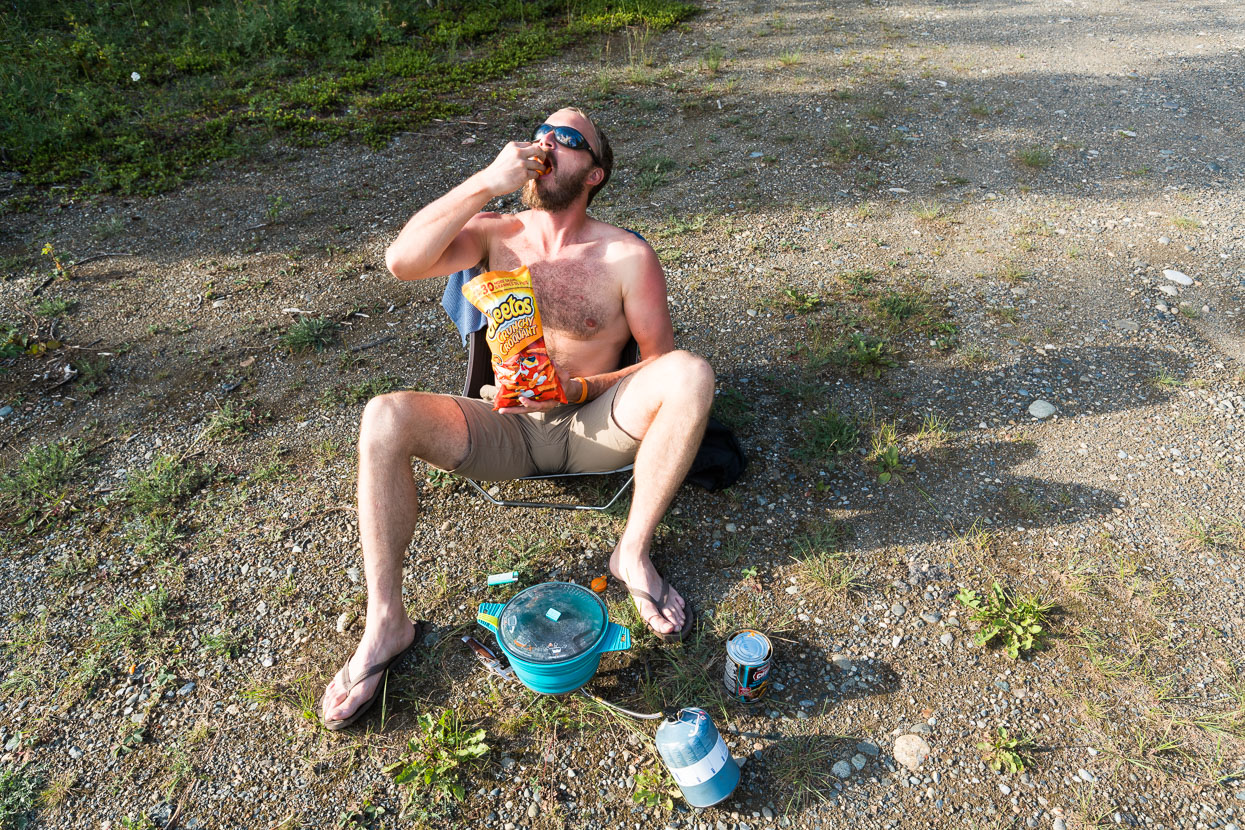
(1127, 326)
(911, 751)
(731, 528)
(921, 729)
(344, 621)
(793, 589)
(898, 610)
(868, 748)
(1086, 776)
(353, 575)
(1163, 240)
(507, 762)
(1059, 824)
(75, 753)
(1004, 789)
(1178, 277)
(841, 662)
(187, 689)
(533, 810)
(1170, 290)
(842, 769)
(6, 411)
(947, 639)
(767, 812)
(931, 617)
(1041, 409)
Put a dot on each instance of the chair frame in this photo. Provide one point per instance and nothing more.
(480, 374)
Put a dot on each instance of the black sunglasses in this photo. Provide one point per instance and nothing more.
(568, 137)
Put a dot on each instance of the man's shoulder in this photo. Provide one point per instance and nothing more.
(620, 242)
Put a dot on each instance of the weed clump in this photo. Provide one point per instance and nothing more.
(309, 334)
(437, 757)
(1018, 622)
(827, 436)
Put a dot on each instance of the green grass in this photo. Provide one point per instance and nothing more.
(711, 61)
(846, 144)
(1018, 622)
(152, 536)
(19, 788)
(232, 422)
(905, 305)
(817, 554)
(1007, 754)
(826, 436)
(653, 172)
(215, 78)
(164, 485)
(137, 628)
(801, 770)
(437, 758)
(733, 409)
(39, 489)
(884, 451)
(307, 334)
(1035, 158)
(55, 307)
(364, 391)
(868, 356)
(928, 211)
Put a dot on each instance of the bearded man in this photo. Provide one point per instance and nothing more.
(597, 287)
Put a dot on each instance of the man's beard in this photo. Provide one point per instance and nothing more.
(558, 196)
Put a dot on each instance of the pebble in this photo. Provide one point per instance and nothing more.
(931, 617)
(75, 753)
(343, 621)
(842, 769)
(533, 810)
(1178, 277)
(352, 574)
(187, 689)
(868, 748)
(859, 761)
(841, 662)
(921, 729)
(1004, 789)
(1041, 409)
(1163, 240)
(898, 610)
(507, 762)
(6, 411)
(911, 751)
(1086, 775)
(1170, 290)
(947, 639)
(1059, 824)
(1127, 326)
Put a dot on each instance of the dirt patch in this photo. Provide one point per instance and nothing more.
(915, 220)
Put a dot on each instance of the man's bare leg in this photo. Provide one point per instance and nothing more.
(666, 404)
(395, 428)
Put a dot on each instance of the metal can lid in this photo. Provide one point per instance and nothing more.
(748, 646)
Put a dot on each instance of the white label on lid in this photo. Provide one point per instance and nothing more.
(705, 768)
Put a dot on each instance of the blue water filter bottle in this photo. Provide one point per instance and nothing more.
(697, 757)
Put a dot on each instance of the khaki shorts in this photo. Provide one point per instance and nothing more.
(574, 438)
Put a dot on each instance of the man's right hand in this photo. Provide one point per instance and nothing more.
(518, 163)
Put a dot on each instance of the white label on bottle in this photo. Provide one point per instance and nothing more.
(705, 768)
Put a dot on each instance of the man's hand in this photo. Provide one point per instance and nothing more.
(571, 387)
(518, 163)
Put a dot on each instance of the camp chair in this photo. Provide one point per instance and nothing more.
(480, 374)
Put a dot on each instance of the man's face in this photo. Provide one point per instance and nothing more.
(558, 189)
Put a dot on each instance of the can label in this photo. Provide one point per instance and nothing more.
(749, 657)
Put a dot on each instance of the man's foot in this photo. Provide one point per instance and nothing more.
(341, 701)
(646, 587)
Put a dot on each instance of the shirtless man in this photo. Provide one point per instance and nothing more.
(597, 286)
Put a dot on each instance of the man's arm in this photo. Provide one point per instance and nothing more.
(446, 236)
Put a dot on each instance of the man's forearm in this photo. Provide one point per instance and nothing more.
(429, 232)
(599, 384)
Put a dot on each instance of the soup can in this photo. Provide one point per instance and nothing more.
(749, 658)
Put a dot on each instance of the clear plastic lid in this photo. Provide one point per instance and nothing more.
(552, 622)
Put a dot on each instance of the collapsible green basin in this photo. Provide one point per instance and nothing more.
(554, 634)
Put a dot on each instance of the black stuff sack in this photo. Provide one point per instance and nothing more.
(720, 461)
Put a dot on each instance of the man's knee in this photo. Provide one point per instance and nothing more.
(389, 422)
(689, 374)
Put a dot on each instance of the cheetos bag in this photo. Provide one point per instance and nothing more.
(520, 361)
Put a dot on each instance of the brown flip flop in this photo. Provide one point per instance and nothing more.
(345, 681)
(688, 614)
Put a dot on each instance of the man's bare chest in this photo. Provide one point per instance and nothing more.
(580, 299)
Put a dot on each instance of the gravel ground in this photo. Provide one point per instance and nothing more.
(995, 192)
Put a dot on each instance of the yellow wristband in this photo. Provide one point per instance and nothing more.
(583, 390)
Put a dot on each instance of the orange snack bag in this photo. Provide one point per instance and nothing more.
(520, 361)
